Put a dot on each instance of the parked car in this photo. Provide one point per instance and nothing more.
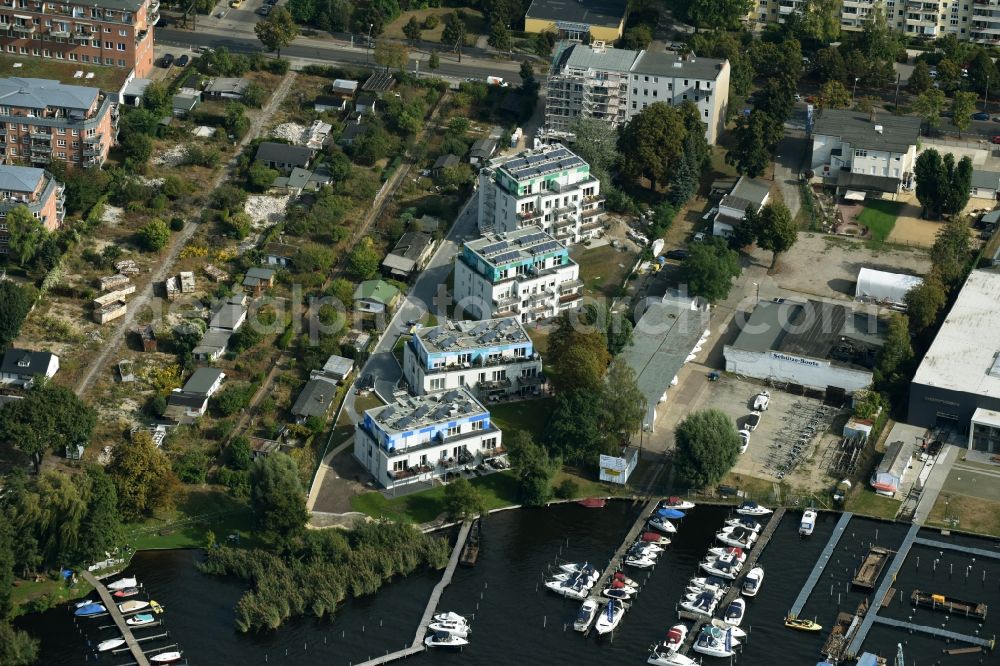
(996, 139)
(981, 116)
(744, 440)
(752, 421)
(264, 10)
(678, 254)
(183, 60)
(699, 237)
(761, 401)
(168, 59)
(236, 4)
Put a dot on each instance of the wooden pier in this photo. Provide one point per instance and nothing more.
(936, 631)
(734, 589)
(871, 568)
(948, 604)
(824, 558)
(470, 551)
(944, 545)
(112, 608)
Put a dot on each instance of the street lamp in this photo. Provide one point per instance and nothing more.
(368, 42)
(774, 165)
(856, 79)
(756, 286)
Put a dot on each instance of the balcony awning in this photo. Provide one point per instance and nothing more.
(854, 195)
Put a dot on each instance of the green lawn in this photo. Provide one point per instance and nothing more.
(198, 510)
(869, 503)
(529, 415)
(500, 490)
(365, 402)
(880, 217)
(603, 269)
(105, 78)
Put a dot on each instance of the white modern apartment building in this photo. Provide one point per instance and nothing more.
(422, 438)
(525, 273)
(549, 187)
(495, 358)
(617, 84)
(970, 20)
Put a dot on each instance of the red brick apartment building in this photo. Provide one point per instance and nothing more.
(35, 188)
(113, 33)
(43, 120)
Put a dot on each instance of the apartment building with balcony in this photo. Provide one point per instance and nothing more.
(423, 438)
(494, 358)
(525, 274)
(984, 26)
(617, 84)
(43, 120)
(111, 33)
(549, 187)
(919, 18)
(36, 189)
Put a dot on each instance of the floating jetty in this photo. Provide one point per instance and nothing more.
(934, 631)
(843, 629)
(968, 550)
(948, 604)
(824, 558)
(470, 552)
(872, 567)
(112, 607)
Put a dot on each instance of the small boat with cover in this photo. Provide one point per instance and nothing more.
(585, 616)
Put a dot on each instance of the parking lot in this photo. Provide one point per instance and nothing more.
(791, 440)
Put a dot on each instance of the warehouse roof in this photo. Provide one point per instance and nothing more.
(897, 133)
(609, 13)
(965, 354)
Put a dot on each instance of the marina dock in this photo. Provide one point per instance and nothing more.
(944, 545)
(871, 568)
(936, 631)
(734, 589)
(824, 559)
(112, 608)
(948, 604)
(890, 576)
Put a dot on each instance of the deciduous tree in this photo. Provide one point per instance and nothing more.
(278, 499)
(719, 14)
(142, 476)
(924, 302)
(533, 467)
(709, 269)
(463, 501)
(962, 108)
(390, 54)
(364, 260)
(777, 231)
(652, 143)
(894, 360)
(15, 304)
(983, 72)
(101, 529)
(707, 447)
(952, 251)
(920, 79)
(276, 31)
(750, 153)
(624, 403)
(49, 418)
(154, 235)
(833, 95)
(25, 234)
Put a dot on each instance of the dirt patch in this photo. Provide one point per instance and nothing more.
(112, 215)
(291, 132)
(910, 229)
(265, 210)
(973, 514)
(170, 157)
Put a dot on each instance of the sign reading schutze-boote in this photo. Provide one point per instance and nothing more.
(611, 462)
(795, 359)
(617, 470)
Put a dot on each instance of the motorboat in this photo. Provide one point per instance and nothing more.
(735, 612)
(619, 576)
(745, 522)
(568, 588)
(90, 610)
(127, 592)
(801, 624)
(155, 607)
(165, 657)
(585, 616)
(752, 509)
(722, 624)
(140, 620)
(709, 583)
(460, 629)
(442, 639)
(449, 617)
(703, 604)
(85, 602)
(737, 538)
(672, 514)
(610, 616)
(110, 644)
(640, 561)
(576, 567)
(761, 401)
(650, 547)
(676, 636)
(808, 523)
(676, 503)
(661, 656)
(715, 642)
(644, 550)
(738, 553)
(721, 567)
(752, 582)
(583, 577)
(122, 584)
(130, 606)
(593, 502)
(621, 593)
(655, 537)
(662, 524)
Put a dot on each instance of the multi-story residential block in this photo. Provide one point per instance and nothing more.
(43, 120)
(113, 33)
(35, 189)
(858, 151)
(617, 84)
(524, 273)
(550, 188)
(421, 438)
(494, 358)
(919, 18)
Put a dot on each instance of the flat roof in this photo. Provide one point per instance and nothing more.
(414, 412)
(858, 129)
(965, 354)
(40, 93)
(812, 329)
(537, 163)
(986, 417)
(608, 13)
(498, 249)
(202, 381)
(464, 335)
(662, 340)
(583, 56)
(19, 178)
(674, 65)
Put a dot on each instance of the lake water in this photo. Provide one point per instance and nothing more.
(517, 620)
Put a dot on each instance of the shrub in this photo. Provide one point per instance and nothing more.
(176, 223)
(154, 236)
(431, 21)
(567, 489)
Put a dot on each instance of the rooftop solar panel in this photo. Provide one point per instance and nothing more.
(506, 257)
(495, 247)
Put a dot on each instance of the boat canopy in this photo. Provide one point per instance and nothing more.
(670, 513)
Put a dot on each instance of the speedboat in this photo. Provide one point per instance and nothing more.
(661, 656)
(715, 642)
(655, 537)
(722, 624)
(449, 617)
(610, 616)
(672, 514)
(801, 624)
(460, 629)
(576, 567)
(568, 588)
(808, 523)
(621, 593)
(155, 607)
(662, 524)
(744, 522)
(619, 576)
(85, 602)
(709, 583)
(703, 604)
(130, 606)
(90, 610)
(442, 639)
(140, 620)
(121, 584)
(165, 657)
(752, 509)
(127, 592)
(640, 561)
(650, 547)
(735, 612)
(585, 616)
(676, 636)
(642, 550)
(593, 502)
(751, 584)
(723, 567)
(110, 644)
(737, 538)
(676, 503)
(583, 577)
(738, 553)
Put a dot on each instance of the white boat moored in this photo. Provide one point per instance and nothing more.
(585, 616)
(752, 582)
(808, 523)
